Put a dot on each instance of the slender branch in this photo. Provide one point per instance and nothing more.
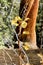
(4, 58)
(9, 56)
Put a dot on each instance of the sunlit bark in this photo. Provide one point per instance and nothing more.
(31, 12)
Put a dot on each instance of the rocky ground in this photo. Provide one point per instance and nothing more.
(8, 57)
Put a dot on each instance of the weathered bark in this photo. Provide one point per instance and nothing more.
(32, 22)
(31, 12)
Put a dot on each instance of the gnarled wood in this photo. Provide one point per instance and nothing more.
(30, 11)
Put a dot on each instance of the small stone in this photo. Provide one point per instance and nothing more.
(22, 64)
(27, 64)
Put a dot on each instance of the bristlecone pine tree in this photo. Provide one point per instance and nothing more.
(29, 8)
(8, 10)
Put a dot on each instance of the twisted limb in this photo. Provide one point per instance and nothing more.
(29, 8)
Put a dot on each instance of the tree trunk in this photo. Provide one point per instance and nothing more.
(32, 22)
(31, 12)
